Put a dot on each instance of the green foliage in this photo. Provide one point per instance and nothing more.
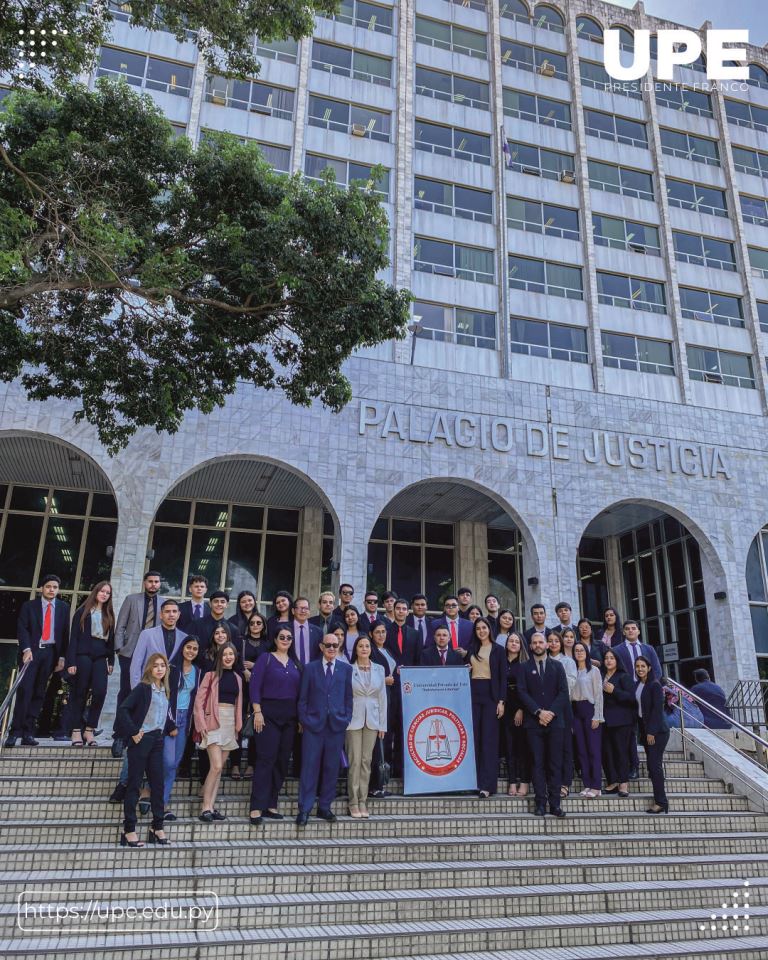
(144, 278)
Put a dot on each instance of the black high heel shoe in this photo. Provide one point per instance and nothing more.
(153, 838)
(124, 842)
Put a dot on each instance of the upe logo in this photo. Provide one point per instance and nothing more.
(676, 48)
(437, 741)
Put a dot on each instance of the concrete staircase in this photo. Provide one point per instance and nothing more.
(426, 878)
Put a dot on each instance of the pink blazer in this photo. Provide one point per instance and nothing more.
(207, 714)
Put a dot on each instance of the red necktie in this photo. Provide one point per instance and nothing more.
(400, 639)
(442, 656)
(46, 636)
(454, 641)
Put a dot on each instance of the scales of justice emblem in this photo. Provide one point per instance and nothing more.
(437, 741)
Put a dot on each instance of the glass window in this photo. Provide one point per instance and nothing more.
(371, 16)
(721, 367)
(754, 209)
(113, 62)
(284, 50)
(315, 165)
(473, 204)
(557, 341)
(711, 307)
(470, 42)
(515, 10)
(758, 260)
(587, 29)
(475, 328)
(372, 69)
(548, 18)
(637, 353)
(762, 315)
(169, 77)
(243, 561)
(19, 553)
(325, 56)
(29, 498)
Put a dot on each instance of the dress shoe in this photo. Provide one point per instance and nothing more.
(118, 794)
(169, 816)
(29, 742)
(612, 790)
(206, 816)
(302, 820)
(215, 815)
(623, 794)
(327, 815)
(557, 812)
(269, 815)
(658, 808)
(539, 811)
(256, 821)
(10, 741)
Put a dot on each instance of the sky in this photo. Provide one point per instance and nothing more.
(724, 14)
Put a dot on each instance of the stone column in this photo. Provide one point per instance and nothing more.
(472, 558)
(310, 552)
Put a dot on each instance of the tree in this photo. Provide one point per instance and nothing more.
(224, 30)
(145, 278)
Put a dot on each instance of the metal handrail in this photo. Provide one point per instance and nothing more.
(6, 704)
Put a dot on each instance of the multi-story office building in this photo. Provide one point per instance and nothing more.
(579, 411)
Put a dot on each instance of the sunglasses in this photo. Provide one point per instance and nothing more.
(331, 646)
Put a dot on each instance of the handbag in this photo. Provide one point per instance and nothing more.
(247, 730)
(382, 768)
(196, 734)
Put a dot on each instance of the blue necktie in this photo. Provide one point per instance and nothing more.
(302, 652)
(198, 612)
(328, 675)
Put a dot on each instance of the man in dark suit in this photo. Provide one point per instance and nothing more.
(439, 653)
(564, 614)
(627, 652)
(714, 696)
(370, 612)
(139, 611)
(418, 618)
(460, 630)
(43, 632)
(539, 618)
(464, 595)
(346, 593)
(542, 688)
(196, 608)
(324, 617)
(204, 627)
(492, 605)
(325, 709)
(403, 642)
(306, 636)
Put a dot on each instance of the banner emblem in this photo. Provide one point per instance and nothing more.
(437, 741)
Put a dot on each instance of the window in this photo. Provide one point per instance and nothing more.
(447, 36)
(704, 251)
(515, 10)
(546, 218)
(528, 106)
(688, 147)
(695, 196)
(626, 235)
(556, 341)
(523, 56)
(758, 260)
(758, 76)
(634, 293)
(469, 328)
(749, 161)
(453, 200)
(545, 276)
(721, 366)
(537, 161)
(453, 260)
(747, 115)
(250, 95)
(352, 63)
(596, 76)
(412, 556)
(762, 315)
(447, 86)
(626, 39)
(368, 16)
(453, 142)
(608, 126)
(637, 353)
(711, 307)
(360, 121)
(147, 72)
(547, 18)
(623, 180)
(285, 51)
(754, 209)
(345, 172)
(587, 29)
(683, 99)
(279, 158)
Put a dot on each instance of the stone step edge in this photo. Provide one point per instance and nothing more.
(395, 866)
(397, 895)
(403, 928)
(449, 840)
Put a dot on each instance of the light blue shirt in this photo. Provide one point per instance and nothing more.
(158, 711)
(182, 703)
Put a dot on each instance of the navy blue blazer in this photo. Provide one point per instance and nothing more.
(411, 622)
(498, 665)
(715, 696)
(551, 693)
(530, 632)
(321, 705)
(313, 637)
(620, 707)
(411, 655)
(30, 626)
(176, 682)
(624, 656)
(654, 719)
(132, 711)
(186, 611)
(463, 626)
(82, 643)
(430, 657)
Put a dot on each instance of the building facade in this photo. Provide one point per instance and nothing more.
(580, 409)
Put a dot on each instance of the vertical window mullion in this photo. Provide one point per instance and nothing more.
(225, 551)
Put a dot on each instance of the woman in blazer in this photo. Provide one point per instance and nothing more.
(89, 661)
(218, 715)
(142, 719)
(368, 723)
(556, 644)
(610, 632)
(488, 683)
(516, 739)
(620, 713)
(587, 706)
(184, 681)
(654, 730)
(382, 656)
(250, 646)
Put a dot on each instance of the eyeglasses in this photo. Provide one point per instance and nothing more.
(347, 593)
(331, 646)
(451, 604)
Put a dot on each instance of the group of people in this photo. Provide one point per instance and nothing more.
(324, 690)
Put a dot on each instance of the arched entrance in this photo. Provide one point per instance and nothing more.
(440, 534)
(757, 591)
(644, 559)
(245, 523)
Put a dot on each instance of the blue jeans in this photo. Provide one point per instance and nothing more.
(173, 751)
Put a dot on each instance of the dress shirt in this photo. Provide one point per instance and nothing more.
(185, 691)
(639, 698)
(52, 604)
(97, 624)
(420, 624)
(169, 638)
(157, 712)
(301, 649)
